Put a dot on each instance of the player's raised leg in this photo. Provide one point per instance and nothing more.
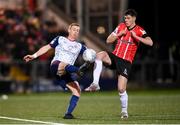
(96, 76)
(67, 68)
(100, 58)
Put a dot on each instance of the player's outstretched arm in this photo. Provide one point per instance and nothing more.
(40, 52)
(28, 58)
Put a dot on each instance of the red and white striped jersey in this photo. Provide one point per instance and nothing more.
(126, 46)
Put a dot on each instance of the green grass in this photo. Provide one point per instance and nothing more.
(145, 107)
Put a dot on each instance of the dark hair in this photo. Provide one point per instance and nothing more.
(130, 12)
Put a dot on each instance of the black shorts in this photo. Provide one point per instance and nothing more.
(122, 66)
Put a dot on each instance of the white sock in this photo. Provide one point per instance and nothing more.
(124, 101)
(97, 71)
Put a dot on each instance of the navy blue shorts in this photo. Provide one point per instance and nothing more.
(64, 79)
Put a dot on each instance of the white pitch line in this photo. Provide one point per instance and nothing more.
(28, 120)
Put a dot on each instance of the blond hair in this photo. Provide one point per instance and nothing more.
(74, 24)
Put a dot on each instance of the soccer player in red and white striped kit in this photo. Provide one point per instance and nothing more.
(128, 36)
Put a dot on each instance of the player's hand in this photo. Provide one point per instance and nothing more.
(121, 33)
(28, 58)
(133, 34)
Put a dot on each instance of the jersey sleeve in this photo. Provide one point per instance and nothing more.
(143, 33)
(54, 42)
(115, 32)
(83, 48)
(118, 28)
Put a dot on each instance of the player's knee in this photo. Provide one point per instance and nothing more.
(101, 55)
(60, 72)
(61, 69)
(77, 92)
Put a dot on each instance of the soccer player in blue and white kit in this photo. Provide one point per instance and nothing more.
(67, 49)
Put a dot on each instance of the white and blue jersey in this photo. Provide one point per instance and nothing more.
(65, 50)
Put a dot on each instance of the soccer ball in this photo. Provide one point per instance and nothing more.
(89, 55)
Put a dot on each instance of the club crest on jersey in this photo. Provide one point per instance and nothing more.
(143, 31)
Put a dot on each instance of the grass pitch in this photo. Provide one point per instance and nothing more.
(145, 107)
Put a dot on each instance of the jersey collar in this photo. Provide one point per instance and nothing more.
(132, 28)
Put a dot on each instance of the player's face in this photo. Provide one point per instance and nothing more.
(74, 32)
(129, 21)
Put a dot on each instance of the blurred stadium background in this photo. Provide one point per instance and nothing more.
(26, 25)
